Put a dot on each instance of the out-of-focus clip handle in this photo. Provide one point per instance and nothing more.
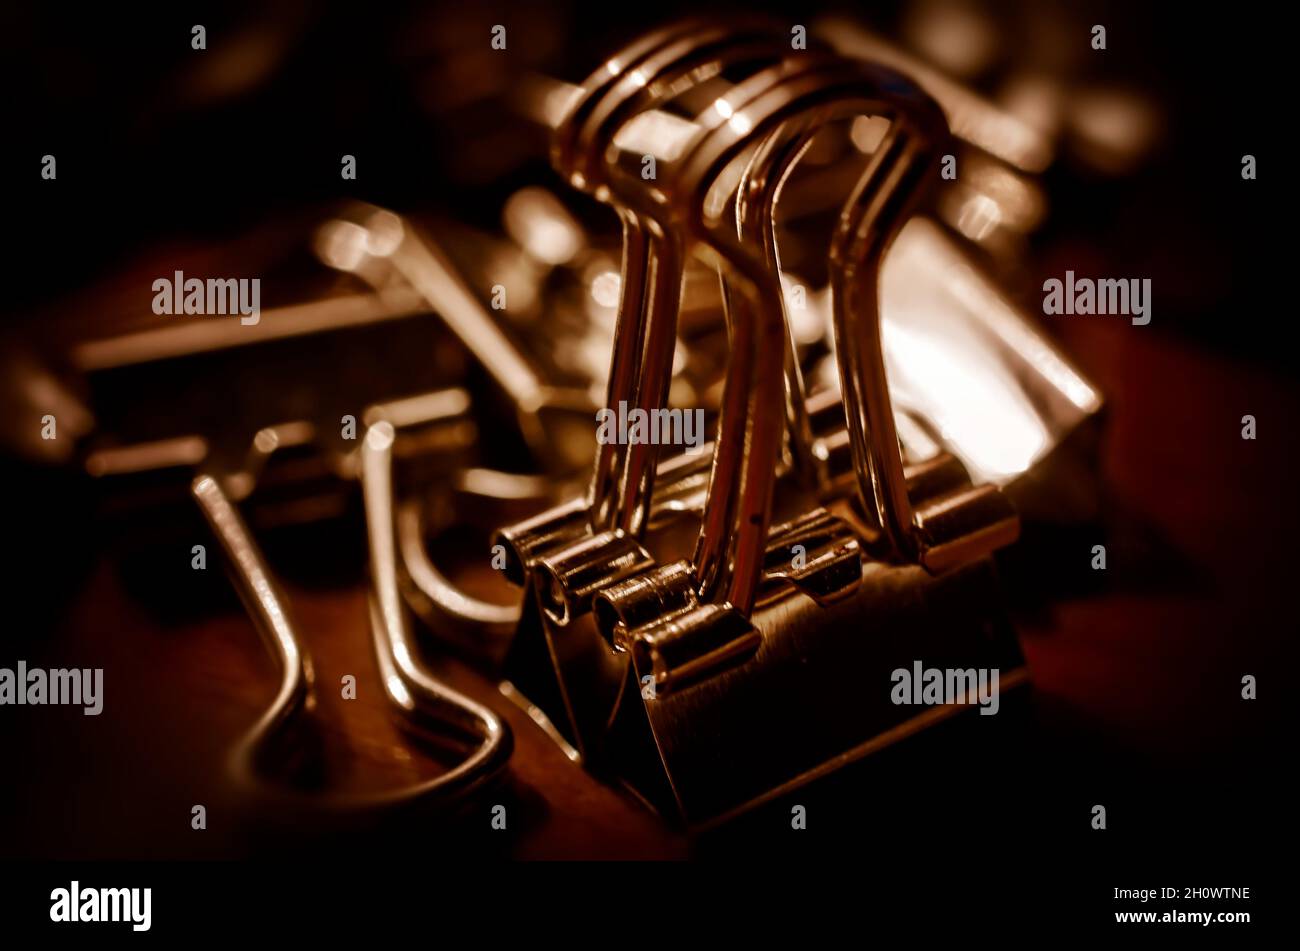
(417, 695)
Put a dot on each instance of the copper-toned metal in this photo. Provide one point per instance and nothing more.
(417, 695)
(703, 669)
(732, 547)
(629, 84)
(957, 527)
(563, 572)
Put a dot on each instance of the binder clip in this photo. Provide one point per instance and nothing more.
(244, 462)
(558, 669)
(718, 729)
(739, 679)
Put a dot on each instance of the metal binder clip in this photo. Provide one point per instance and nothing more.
(253, 452)
(564, 556)
(741, 700)
(1042, 451)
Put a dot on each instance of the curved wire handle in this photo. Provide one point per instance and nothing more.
(757, 197)
(731, 547)
(452, 612)
(419, 697)
(651, 70)
(959, 526)
(656, 77)
(963, 522)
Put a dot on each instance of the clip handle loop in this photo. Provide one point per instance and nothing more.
(629, 83)
(889, 187)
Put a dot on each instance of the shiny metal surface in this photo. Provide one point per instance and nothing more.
(683, 644)
(799, 707)
(583, 682)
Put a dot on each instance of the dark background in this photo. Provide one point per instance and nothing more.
(157, 143)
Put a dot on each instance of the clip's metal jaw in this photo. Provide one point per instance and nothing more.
(569, 670)
(558, 666)
(675, 638)
(812, 695)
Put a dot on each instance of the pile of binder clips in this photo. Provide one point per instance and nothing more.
(710, 628)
